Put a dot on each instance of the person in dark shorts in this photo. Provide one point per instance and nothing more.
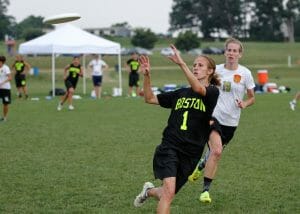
(133, 66)
(187, 131)
(98, 66)
(5, 87)
(236, 82)
(71, 76)
(21, 67)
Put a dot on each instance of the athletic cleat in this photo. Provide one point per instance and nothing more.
(141, 198)
(59, 107)
(204, 197)
(195, 175)
(292, 105)
(71, 107)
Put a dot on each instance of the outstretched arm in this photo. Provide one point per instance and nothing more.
(194, 82)
(145, 69)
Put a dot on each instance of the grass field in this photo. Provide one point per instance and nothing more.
(95, 159)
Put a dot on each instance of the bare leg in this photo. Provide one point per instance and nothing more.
(130, 91)
(64, 98)
(166, 195)
(215, 145)
(5, 110)
(100, 92)
(25, 91)
(293, 103)
(19, 92)
(96, 89)
(70, 96)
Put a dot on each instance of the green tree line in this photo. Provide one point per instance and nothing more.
(260, 20)
(266, 20)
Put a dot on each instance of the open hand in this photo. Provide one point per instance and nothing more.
(145, 64)
(176, 58)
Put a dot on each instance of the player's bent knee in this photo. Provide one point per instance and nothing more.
(217, 153)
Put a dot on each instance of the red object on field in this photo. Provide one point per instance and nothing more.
(262, 77)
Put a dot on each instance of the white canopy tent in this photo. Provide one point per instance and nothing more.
(68, 39)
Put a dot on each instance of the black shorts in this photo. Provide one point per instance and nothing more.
(70, 84)
(133, 79)
(97, 80)
(5, 95)
(226, 132)
(20, 80)
(168, 162)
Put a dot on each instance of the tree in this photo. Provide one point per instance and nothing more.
(274, 20)
(290, 13)
(32, 25)
(144, 38)
(210, 16)
(266, 20)
(6, 22)
(297, 29)
(187, 41)
(31, 33)
(121, 24)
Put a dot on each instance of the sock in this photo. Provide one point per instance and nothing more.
(206, 184)
(294, 101)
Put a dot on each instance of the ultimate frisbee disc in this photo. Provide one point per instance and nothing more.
(62, 18)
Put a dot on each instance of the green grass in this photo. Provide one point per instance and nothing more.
(95, 159)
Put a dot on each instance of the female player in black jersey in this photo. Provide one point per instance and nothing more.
(187, 131)
(71, 76)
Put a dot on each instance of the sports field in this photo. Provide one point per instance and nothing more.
(96, 158)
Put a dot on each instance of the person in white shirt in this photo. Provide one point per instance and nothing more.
(5, 78)
(236, 81)
(98, 66)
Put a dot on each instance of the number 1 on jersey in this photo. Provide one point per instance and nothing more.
(183, 125)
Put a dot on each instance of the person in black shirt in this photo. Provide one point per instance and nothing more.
(187, 131)
(21, 67)
(133, 66)
(71, 76)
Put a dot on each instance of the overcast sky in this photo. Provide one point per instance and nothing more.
(153, 14)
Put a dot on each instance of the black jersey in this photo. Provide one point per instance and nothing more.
(134, 65)
(188, 123)
(73, 73)
(19, 66)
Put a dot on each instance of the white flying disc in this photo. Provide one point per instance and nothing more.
(62, 18)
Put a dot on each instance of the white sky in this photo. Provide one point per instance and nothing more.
(153, 14)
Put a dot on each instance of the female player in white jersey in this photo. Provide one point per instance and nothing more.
(236, 81)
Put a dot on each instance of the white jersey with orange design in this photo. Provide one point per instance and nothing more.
(234, 85)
